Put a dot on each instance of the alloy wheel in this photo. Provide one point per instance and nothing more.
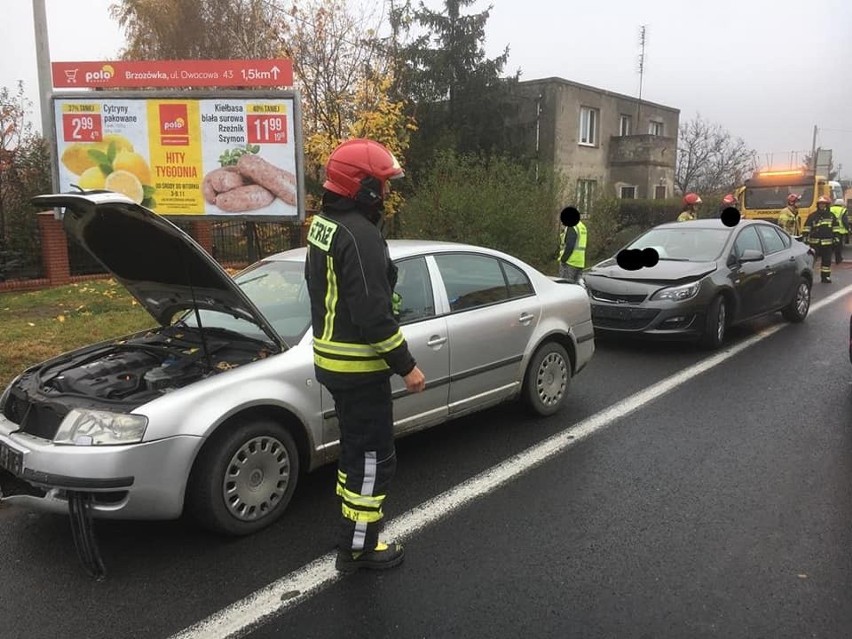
(803, 298)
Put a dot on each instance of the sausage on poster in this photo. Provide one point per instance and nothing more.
(282, 183)
(244, 198)
(220, 180)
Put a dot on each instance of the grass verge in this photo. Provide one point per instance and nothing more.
(37, 325)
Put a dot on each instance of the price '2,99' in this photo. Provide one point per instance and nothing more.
(82, 127)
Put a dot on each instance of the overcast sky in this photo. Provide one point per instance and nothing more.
(767, 70)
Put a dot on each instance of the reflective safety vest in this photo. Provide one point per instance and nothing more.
(789, 220)
(577, 258)
(686, 216)
(839, 212)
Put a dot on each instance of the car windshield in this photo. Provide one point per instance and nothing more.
(279, 291)
(775, 197)
(684, 243)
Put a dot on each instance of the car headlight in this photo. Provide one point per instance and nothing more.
(83, 427)
(678, 293)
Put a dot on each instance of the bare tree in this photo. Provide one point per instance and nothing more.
(197, 29)
(709, 159)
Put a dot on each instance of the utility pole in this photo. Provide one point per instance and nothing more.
(45, 85)
(813, 150)
(641, 76)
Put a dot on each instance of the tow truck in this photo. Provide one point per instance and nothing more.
(764, 194)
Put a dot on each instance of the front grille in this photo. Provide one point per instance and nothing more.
(39, 420)
(623, 318)
(616, 297)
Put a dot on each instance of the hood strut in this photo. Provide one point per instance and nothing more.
(197, 315)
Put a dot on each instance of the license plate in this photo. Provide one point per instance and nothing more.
(611, 312)
(11, 460)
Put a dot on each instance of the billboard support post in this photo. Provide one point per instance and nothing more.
(45, 86)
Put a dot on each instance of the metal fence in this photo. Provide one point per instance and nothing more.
(80, 262)
(21, 260)
(246, 242)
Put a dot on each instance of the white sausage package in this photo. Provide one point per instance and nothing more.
(217, 157)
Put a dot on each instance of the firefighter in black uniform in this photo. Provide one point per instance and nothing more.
(819, 231)
(357, 344)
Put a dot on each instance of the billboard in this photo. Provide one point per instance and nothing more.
(193, 154)
(172, 73)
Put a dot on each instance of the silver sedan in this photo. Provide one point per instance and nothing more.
(216, 411)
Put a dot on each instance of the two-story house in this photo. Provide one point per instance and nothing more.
(598, 137)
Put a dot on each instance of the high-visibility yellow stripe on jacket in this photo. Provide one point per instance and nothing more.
(350, 280)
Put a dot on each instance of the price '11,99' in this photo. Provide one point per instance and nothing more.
(267, 129)
(80, 127)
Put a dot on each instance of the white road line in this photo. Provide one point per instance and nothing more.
(241, 617)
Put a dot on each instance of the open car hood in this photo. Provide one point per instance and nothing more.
(160, 265)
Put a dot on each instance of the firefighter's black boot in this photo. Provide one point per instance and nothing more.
(382, 557)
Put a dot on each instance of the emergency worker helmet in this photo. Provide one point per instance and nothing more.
(359, 169)
(691, 199)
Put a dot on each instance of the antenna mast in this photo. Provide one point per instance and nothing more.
(642, 41)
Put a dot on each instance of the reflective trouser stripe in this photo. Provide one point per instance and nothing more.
(361, 516)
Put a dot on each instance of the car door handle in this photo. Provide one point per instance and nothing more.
(436, 340)
(526, 318)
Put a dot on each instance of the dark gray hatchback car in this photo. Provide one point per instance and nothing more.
(709, 277)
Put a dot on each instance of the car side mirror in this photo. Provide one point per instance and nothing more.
(751, 255)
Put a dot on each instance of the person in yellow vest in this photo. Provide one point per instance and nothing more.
(691, 202)
(842, 232)
(788, 219)
(572, 245)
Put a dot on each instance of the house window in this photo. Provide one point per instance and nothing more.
(588, 126)
(628, 192)
(655, 128)
(625, 125)
(660, 192)
(585, 194)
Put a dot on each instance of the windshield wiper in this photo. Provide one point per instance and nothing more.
(254, 279)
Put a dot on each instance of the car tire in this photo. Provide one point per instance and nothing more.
(547, 379)
(716, 323)
(797, 310)
(233, 489)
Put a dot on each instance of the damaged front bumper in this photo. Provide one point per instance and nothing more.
(132, 481)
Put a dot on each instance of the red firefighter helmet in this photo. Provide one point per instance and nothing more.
(690, 199)
(729, 199)
(824, 199)
(359, 169)
(793, 198)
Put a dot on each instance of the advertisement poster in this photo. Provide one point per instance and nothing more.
(222, 157)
